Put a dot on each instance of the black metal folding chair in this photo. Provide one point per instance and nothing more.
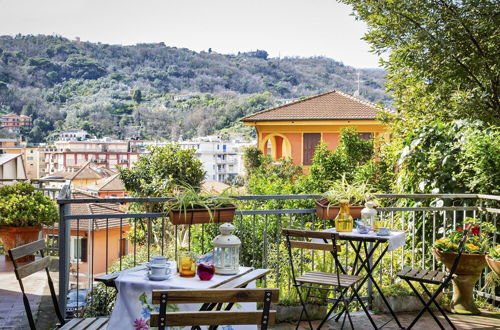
(338, 281)
(423, 276)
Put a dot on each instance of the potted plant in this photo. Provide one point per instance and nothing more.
(23, 212)
(471, 265)
(356, 193)
(493, 259)
(191, 207)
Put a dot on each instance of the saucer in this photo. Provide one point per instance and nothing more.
(380, 234)
(158, 277)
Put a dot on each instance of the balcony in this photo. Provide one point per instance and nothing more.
(148, 234)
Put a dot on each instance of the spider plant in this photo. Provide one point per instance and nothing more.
(356, 193)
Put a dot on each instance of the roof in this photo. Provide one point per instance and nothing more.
(4, 158)
(88, 171)
(112, 183)
(94, 208)
(333, 105)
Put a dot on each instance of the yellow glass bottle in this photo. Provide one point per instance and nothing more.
(344, 221)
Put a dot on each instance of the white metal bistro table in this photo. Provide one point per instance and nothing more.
(361, 242)
(133, 304)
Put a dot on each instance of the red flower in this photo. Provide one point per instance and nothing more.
(460, 229)
(475, 230)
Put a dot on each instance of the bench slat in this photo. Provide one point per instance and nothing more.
(100, 323)
(188, 296)
(27, 249)
(244, 280)
(211, 318)
(33, 267)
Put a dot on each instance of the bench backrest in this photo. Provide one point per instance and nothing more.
(214, 297)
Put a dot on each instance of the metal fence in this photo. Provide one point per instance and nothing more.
(424, 217)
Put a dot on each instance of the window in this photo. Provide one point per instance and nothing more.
(366, 136)
(123, 247)
(309, 143)
(78, 249)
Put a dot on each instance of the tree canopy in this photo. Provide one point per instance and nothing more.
(443, 55)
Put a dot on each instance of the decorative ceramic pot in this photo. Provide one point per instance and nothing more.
(468, 272)
(196, 216)
(325, 211)
(494, 265)
(16, 236)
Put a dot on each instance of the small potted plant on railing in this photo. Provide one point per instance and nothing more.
(356, 193)
(23, 212)
(471, 265)
(191, 207)
(493, 259)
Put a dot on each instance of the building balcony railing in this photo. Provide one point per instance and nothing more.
(259, 228)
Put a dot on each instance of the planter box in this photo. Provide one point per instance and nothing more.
(16, 236)
(197, 216)
(292, 313)
(325, 211)
(400, 304)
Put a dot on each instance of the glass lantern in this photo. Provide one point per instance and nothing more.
(226, 251)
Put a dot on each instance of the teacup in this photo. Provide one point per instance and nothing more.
(384, 231)
(160, 270)
(159, 260)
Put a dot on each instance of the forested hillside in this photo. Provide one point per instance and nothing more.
(154, 90)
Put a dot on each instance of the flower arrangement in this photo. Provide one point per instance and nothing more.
(478, 241)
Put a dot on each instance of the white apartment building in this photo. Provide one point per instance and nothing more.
(73, 135)
(222, 159)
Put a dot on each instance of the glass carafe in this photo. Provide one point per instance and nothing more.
(344, 221)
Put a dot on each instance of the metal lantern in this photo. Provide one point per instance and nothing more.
(226, 251)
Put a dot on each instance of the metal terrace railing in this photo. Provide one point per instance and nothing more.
(425, 218)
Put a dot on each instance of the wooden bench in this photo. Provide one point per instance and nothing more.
(91, 323)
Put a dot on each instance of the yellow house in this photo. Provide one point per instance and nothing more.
(88, 175)
(295, 129)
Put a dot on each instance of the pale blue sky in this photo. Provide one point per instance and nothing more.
(285, 27)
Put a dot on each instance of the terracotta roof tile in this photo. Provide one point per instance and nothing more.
(333, 105)
(112, 183)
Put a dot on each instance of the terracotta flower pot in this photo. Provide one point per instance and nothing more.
(16, 236)
(197, 216)
(468, 272)
(325, 211)
(494, 265)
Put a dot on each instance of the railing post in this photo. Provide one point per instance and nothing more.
(63, 242)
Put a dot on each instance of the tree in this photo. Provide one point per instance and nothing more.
(156, 172)
(444, 56)
(137, 96)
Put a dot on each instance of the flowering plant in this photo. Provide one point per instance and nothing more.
(478, 241)
(495, 253)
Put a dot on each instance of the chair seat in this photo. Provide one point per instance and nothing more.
(87, 323)
(331, 279)
(422, 275)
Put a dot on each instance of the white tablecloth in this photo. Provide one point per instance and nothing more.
(133, 304)
(396, 239)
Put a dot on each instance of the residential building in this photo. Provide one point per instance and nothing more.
(105, 152)
(12, 167)
(90, 237)
(222, 159)
(84, 176)
(108, 187)
(73, 135)
(13, 122)
(295, 129)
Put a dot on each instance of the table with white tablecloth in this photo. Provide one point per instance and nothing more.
(133, 304)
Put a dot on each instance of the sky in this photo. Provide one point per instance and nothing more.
(281, 27)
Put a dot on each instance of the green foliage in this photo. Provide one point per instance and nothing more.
(252, 158)
(329, 166)
(188, 93)
(443, 56)
(156, 172)
(22, 206)
(187, 198)
(456, 157)
(357, 193)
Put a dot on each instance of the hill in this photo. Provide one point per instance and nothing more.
(154, 90)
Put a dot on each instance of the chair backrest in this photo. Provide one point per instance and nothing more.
(214, 297)
(329, 244)
(461, 248)
(28, 269)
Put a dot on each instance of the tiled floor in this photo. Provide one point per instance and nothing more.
(12, 313)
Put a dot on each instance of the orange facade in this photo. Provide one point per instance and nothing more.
(288, 139)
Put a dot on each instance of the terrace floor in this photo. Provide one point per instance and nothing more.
(12, 314)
